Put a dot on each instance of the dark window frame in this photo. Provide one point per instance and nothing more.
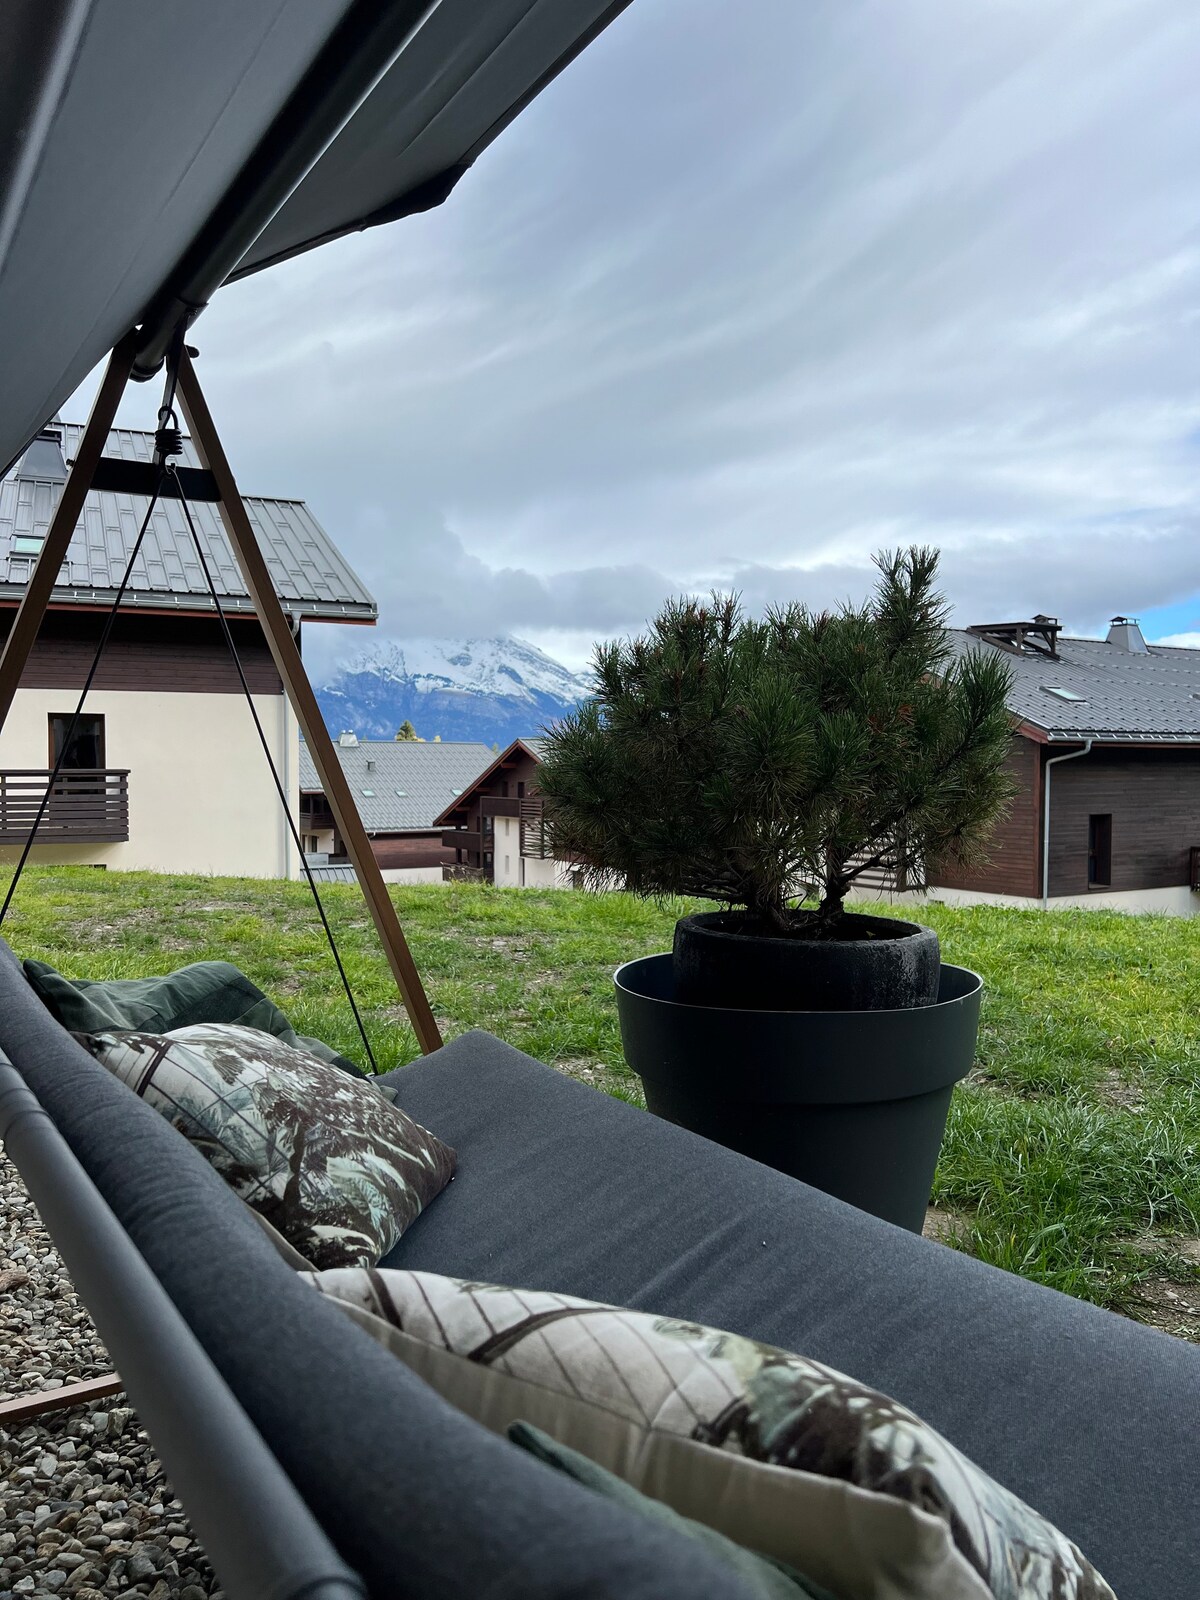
(1099, 855)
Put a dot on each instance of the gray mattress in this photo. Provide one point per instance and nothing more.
(1093, 1419)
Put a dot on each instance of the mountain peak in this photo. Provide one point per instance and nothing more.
(494, 689)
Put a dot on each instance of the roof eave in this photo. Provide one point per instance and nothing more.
(166, 602)
(445, 819)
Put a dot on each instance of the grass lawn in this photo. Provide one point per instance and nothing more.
(1073, 1150)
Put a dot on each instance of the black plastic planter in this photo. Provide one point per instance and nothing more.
(852, 1102)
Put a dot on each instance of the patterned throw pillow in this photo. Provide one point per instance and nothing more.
(781, 1453)
(325, 1159)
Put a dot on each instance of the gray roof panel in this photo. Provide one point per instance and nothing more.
(1125, 697)
(428, 774)
(311, 576)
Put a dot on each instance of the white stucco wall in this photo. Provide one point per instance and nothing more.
(1175, 902)
(201, 797)
(507, 859)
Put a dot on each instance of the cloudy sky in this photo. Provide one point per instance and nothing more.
(750, 292)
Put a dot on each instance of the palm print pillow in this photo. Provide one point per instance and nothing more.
(781, 1453)
(322, 1156)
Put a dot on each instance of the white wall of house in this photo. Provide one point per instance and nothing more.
(412, 875)
(1175, 902)
(201, 797)
(511, 870)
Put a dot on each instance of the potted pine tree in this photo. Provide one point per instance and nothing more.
(769, 766)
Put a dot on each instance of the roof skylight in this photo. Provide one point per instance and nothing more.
(1063, 694)
(370, 793)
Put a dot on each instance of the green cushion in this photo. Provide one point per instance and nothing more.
(205, 991)
(762, 1575)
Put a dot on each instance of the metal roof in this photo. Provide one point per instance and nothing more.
(311, 577)
(411, 782)
(1124, 697)
(532, 747)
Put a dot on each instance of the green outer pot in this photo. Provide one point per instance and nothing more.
(852, 1102)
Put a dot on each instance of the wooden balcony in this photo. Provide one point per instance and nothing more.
(494, 805)
(87, 806)
(535, 845)
(464, 839)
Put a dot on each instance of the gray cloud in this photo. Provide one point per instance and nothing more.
(749, 293)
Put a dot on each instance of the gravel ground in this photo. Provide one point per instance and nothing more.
(84, 1509)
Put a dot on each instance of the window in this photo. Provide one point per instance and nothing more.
(1064, 694)
(520, 791)
(86, 748)
(27, 544)
(1099, 851)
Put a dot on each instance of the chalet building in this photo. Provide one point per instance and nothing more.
(401, 787)
(496, 828)
(163, 772)
(1105, 756)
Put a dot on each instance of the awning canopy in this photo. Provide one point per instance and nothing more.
(149, 152)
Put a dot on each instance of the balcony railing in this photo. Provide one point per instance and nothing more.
(535, 843)
(88, 805)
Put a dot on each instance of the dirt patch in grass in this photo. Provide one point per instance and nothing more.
(517, 945)
(947, 1227)
(1114, 1090)
(1184, 1246)
(1173, 1307)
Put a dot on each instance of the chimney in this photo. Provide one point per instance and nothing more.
(43, 459)
(346, 737)
(370, 765)
(1126, 635)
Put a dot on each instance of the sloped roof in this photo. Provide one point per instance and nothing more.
(1125, 697)
(531, 747)
(311, 576)
(429, 775)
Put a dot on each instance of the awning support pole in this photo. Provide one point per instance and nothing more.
(49, 564)
(290, 667)
(283, 647)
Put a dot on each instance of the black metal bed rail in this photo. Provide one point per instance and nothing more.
(263, 1541)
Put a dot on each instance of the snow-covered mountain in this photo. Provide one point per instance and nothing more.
(495, 690)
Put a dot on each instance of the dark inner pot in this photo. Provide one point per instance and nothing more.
(729, 958)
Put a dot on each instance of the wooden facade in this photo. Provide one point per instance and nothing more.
(146, 652)
(1153, 798)
(1143, 801)
(469, 825)
(1013, 864)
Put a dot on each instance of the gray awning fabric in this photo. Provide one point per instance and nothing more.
(128, 128)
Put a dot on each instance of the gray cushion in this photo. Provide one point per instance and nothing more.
(424, 1503)
(1088, 1416)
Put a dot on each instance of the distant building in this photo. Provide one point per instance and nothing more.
(1105, 756)
(400, 787)
(496, 829)
(163, 772)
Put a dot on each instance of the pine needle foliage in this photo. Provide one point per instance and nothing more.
(762, 762)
